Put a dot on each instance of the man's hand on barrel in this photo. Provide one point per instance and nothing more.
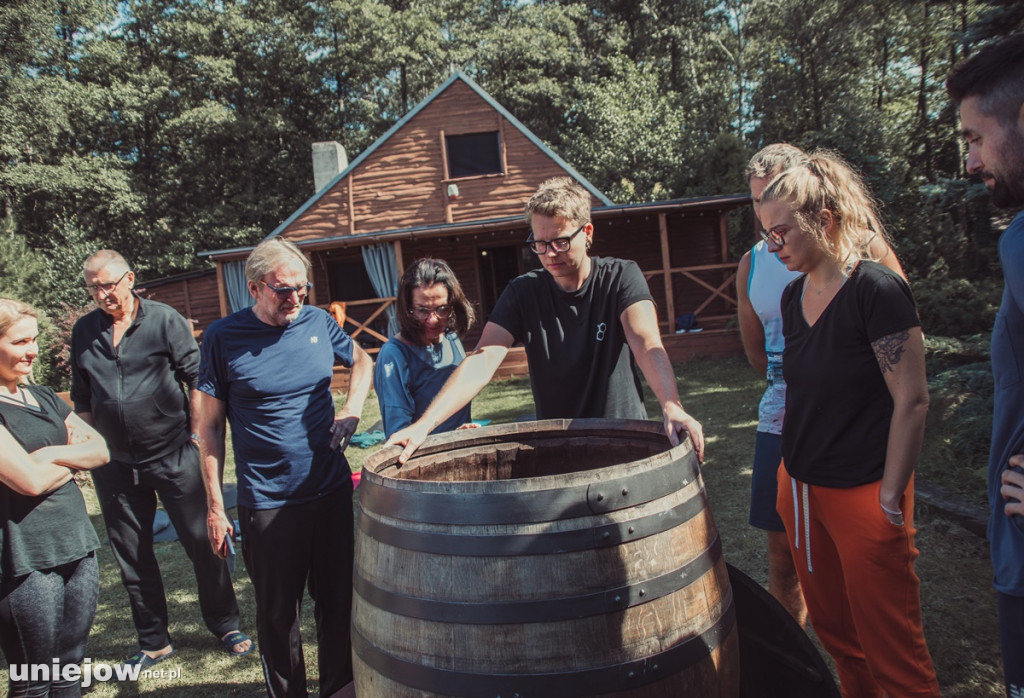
(411, 437)
(677, 422)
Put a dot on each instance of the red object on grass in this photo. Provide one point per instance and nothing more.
(356, 477)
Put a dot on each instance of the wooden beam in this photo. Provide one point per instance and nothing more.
(188, 300)
(723, 229)
(399, 260)
(666, 265)
(312, 292)
(351, 206)
(222, 291)
(501, 145)
(444, 178)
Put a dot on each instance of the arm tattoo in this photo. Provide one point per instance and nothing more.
(889, 350)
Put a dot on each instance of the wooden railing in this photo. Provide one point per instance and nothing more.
(723, 291)
(361, 326)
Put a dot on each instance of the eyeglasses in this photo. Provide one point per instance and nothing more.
(561, 244)
(423, 313)
(285, 292)
(775, 236)
(107, 287)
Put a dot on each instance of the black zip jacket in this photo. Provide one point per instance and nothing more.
(137, 393)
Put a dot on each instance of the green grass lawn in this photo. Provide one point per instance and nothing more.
(957, 599)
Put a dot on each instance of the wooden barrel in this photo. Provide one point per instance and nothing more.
(541, 559)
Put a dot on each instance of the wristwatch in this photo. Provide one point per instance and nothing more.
(194, 437)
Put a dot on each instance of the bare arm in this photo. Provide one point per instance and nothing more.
(751, 329)
(347, 418)
(641, 325)
(212, 429)
(195, 406)
(85, 449)
(901, 358)
(462, 386)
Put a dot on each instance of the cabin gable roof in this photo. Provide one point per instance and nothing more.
(402, 180)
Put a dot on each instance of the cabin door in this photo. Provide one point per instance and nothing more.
(498, 266)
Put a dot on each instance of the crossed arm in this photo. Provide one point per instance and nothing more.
(48, 468)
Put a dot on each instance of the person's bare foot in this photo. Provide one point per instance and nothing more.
(156, 654)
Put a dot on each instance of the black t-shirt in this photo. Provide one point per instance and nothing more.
(37, 533)
(838, 407)
(580, 363)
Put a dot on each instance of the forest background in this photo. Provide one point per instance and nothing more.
(161, 128)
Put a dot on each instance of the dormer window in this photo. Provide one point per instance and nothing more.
(473, 154)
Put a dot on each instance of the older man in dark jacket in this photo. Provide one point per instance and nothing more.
(134, 368)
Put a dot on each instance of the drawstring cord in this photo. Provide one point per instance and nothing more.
(807, 526)
(805, 498)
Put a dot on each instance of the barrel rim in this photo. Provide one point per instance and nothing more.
(387, 458)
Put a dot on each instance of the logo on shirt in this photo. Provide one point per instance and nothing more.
(314, 339)
(602, 328)
(389, 369)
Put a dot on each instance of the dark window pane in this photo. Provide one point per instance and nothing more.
(349, 280)
(473, 154)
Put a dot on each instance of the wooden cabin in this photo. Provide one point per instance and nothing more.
(450, 180)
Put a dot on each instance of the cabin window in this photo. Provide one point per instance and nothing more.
(349, 280)
(473, 154)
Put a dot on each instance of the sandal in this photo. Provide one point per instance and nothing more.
(236, 637)
(144, 661)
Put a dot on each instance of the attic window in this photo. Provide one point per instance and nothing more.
(473, 154)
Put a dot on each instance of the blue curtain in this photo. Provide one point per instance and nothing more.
(383, 271)
(238, 291)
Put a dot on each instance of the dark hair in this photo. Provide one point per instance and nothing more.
(995, 75)
(424, 273)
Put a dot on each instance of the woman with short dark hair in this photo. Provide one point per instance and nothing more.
(433, 313)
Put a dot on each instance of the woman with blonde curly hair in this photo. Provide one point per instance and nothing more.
(856, 404)
(49, 580)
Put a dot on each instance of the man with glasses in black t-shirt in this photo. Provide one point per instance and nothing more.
(587, 324)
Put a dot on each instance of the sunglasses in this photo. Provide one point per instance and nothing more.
(285, 292)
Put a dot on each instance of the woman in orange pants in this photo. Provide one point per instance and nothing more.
(856, 403)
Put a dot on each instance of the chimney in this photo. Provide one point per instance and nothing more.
(329, 159)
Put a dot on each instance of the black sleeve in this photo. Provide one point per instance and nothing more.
(507, 312)
(633, 287)
(183, 348)
(888, 305)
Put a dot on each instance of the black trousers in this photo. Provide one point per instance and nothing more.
(127, 494)
(285, 550)
(1011, 637)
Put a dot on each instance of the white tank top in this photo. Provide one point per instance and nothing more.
(768, 278)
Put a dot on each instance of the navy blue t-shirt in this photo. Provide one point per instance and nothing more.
(276, 382)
